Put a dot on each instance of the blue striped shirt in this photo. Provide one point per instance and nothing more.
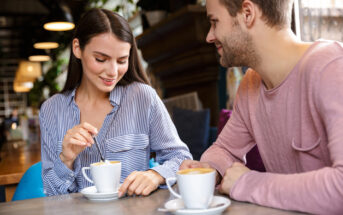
(141, 125)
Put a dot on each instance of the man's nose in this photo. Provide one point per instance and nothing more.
(210, 36)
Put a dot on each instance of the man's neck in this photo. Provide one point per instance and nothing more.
(279, 52)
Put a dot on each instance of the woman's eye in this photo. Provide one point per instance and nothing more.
(122, 62)
(99, 60)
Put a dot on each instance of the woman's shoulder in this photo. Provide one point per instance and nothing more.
(141, 90)
(55, 102)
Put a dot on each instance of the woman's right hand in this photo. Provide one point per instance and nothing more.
(75, 141)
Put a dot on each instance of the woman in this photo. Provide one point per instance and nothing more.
(107, 95)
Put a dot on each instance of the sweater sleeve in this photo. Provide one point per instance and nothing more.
(235, 140)
(318, 191)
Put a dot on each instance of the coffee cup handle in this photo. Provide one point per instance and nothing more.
(171, 189)
(85, 174)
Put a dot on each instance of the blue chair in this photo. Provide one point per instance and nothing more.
(153, 163)
(31, 184)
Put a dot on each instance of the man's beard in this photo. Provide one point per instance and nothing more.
(238, 49)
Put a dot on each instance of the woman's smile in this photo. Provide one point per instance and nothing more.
(108, 81)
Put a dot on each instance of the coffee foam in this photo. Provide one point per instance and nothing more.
(194, 171)
(107, 162)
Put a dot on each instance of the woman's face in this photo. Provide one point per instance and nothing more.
(105, 60)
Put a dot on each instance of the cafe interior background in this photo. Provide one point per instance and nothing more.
(183, 69)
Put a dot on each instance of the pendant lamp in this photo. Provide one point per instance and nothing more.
(60, 20)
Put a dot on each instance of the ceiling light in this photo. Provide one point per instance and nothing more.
(28, 71)
(39, 58)
(27, 84)
(59, 26)
(45, 45)
(60, 20)
(22, 87)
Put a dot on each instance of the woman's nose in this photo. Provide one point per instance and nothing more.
(113, 69)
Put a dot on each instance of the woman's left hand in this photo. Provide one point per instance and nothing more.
(141, 183)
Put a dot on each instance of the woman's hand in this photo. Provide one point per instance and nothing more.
(141, 183)
(75, 141)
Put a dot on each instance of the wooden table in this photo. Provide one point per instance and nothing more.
(77, 204)
(16, 158)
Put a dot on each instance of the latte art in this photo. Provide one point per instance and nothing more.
(107, 162)
(194, 171)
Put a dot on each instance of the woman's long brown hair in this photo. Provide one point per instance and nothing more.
(97, 21)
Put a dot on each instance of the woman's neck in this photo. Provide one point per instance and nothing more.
(88, 93)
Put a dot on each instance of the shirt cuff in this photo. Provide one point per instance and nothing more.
(165, 172)
(238, 190)
(67, 175)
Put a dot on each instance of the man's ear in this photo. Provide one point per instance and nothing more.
(249, 13)
(76, 48)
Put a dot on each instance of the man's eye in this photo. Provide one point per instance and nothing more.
(99, 60)
(213, 22)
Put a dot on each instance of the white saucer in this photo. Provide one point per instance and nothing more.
(177, 204)
(92, 194)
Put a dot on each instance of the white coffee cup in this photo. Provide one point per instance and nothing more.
(105, 175)
(196, 186)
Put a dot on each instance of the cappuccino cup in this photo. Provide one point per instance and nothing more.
(105, 175)
(196, 186)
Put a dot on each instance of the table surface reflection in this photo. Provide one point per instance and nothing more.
(76, 203)
(16, 158)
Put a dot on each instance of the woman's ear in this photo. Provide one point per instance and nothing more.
(76, 48)
(249, 13)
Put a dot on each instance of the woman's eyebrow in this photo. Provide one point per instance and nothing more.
(101, 53)
(126, 56)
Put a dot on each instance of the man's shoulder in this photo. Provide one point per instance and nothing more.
(322, 53)
(321, 56)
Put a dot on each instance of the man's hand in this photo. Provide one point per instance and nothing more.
(187, 164)
(232, 174)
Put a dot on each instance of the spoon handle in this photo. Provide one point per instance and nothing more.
(97, 146)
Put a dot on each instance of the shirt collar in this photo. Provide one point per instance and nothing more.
(71, 96)
(115, 95)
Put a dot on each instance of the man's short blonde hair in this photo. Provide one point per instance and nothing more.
(276, 13)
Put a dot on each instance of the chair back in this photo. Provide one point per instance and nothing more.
(31, 184)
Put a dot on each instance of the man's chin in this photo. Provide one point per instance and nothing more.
(223, 63)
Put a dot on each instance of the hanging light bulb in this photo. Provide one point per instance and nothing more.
(39, 58)
(59, 26)
(45, 45)
(61, 20)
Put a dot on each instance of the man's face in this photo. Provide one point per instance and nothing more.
(233, 44)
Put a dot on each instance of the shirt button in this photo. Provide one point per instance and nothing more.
(67, 182)
(71, 175)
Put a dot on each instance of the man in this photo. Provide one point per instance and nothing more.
(290, 103)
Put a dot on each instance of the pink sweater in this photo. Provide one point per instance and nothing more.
(298, 127)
